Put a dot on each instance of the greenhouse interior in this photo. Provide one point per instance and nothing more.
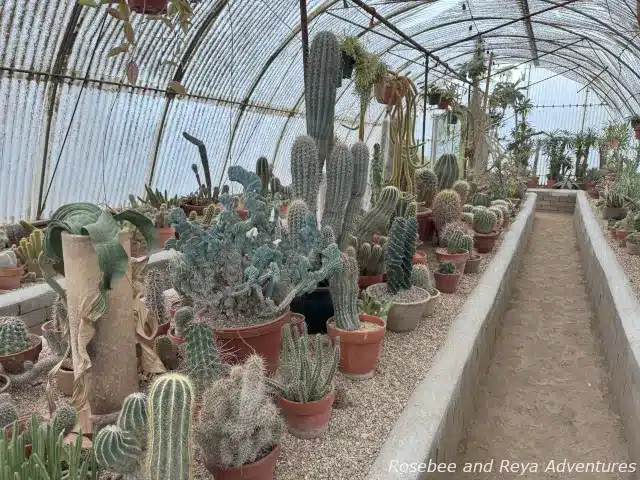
(237, 237)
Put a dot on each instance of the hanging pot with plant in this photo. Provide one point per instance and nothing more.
(635, 124)
(453, 118)
(348, 63)
(433, 95)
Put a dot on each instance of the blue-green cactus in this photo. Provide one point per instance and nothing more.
(484, 221)
(117, 450)
(182, 320)
(339, 185)
(202, 355)
(305, 171)
(376, 219)
(343, 286)
(133, 416)
(399, 254)
(360, 155)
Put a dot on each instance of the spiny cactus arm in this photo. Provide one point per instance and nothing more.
(204, 158)
(33, 371)
(316, 373)
(339, 187)
(249, 180)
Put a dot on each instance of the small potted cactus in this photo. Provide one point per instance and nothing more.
(181, 322)
(306, 400)
(11, 272)
(163, 228)
(633, 243)
(447, 278)
(17, 345)
(239, 428)
(473, 262)
(613, 205)
(457, 250)
(484, 224)
(370, 261)
(421, 277)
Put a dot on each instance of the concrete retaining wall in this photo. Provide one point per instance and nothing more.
(617, 319)
(555, 200)
(439, 411)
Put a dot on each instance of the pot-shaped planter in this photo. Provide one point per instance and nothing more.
(64, 378)
(317, 308)
(174, 307)
(307, 420)
(175, 340)
(386, 93)
(14, 363)
(621, 237)
(188, 208)
(434, 99)
(375, 238)
(148, 7)
(365, 281)
(506, 219)
(613, 212)
(473, 263)
(458, 259)
(444, 103)
(296, 320)
(447, 283)
(432, 303)
(551, 183)
(484, 242)
(532, 182)
(10, 278)
(243, 213)
(425, 224)
(588, 184)
(515, 201)
(359, 349)
(633, 248)
(284, 209)
(593, 193)
(137, 250)
(163, 329)
(453, 118)
(419, 258)
(613, 143)
(259, 470)
(240, 343)
(164, 234)
(348, 62)
(404, 317)
(612, 232)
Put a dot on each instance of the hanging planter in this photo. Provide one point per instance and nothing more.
(636, 131)
(444, 103)
(434, 99)
(348, 63)
(149, 7)
(386, 92)
(453, 118)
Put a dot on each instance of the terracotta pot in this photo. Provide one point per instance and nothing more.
(5, 383)
(65, 381)
(425, 224)
(187, 208)
(419, 258)
(263, 339)
(15, 363)
(175, 340)
(447, 283)
(484, 242)
(621, 237)
(593, 193)
(506, 219)
(375, 238)
(611, 212)
(175, 306)
(588, 184)
(613, 143)
(458, 259)
(367, 280)
(296, 319)
(385, 93)
(532, 182)
(260, 470)
(164, 234)
(432, 303)
(404, 317)
(359, 349)
(148, 7)
(137, 250)
(473, 264)
(612, 232)
(551, 183)
(10, 278)
(307, 420)
(242, 212)
(631, 249)
(163, 329)
(444, 103)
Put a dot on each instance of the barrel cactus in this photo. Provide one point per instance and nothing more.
(182, 320)
(426, 186)
(117, 450)
(305, 171)
(14, 336)
(449, 229)
(421, 277)
(477, 209)
(613, 200)
(202, 355)
(133, 416)
(459, 243)
(484, 221)
(467, 217)
(166, 351)
(463, 188)
(481, 199)
(499, 214)
(446, 268)
(340, 169)
(64, 418)
(8, 259)
(446, 208)
(8, 413)
(377, 218)
(343, 286)
(447, 170)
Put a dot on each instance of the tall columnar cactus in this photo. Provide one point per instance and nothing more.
(340, 171)
(14, 336)
(480, 199)
(161, 217)
(208, 215)
(202, 355)
(238, 422)
(263, 170)
(154, 298)
(484, 221)
(324, 78)
(169, 445)
(447, 170)
(343, 286)
(134, 417)
(377, 218)
(446, 208)
(360, 155)
(376, 174)
(463, 188)
(421, 277)
(305, 171)
(182, 320)
(117, 450)
(399, 254)
(296, 221)
(426, 186)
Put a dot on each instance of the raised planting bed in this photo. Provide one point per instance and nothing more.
(437, 414)
(614, 283)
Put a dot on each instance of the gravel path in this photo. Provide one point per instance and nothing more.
(545, 396)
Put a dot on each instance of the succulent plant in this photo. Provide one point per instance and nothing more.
(421, 277)
(8, 259)
(481, 199)
(208, 215)
(376, 219)
(14, 336)
(463, 188)
(376, 174)
(202, 356)
(449, 229)
(29, 250)
(633, 237)
(467, 217)
(117, 450)
(369, 305)
(503, 202)
(446, 268)
(446, 208)
(426, 186)
(399, 255)
(64, 418)
(238, 423)
(8, 413)
(193, 216)
(484, 221)
(340, 170)
(182, 320)
(499, 214)
(263, 170)
(447, 170)
(459, 243)
(154, 298)
(167, 352)
(134, 417)
(343, 286)
(161, 217)
(360, 156)
(467, 208)
(307, 366)
(305, 171)
(613, 200)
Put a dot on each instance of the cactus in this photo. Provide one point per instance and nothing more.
(64, 419)
(340, 169)
(376, 174)
(499, 201)
(467, 208)
(182, 320)
(202, 356)
(499, 214)
(463, 188)
(263, 170)
(360, 156)
(169, 450)
(613, 200)
(426, 186)
(14, 336)
(484, 221)
(208, 215)
(324, 78)
(446, 169)
(133, 416)
(193, 216)
(238, 423)
(29, 250)
(459, 243)
(421, 277)
(117, 450)
(370, 305)
(379, 215)
(161, 217)
(467, 217)
(446, 268)
(307, 373)
(14, 232)
(8, 413)
(166, 351)
(477, 209)
(446, 208)
(8, 259)
(343, 286)
(399, 254)
(154, 298)
(60, 314)
(33, 371)
(480, 199)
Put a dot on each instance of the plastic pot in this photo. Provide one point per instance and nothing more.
(434, 98)
(359, 349)
(10, 278)
(425, 224)
(473, 264)
(447, 282)
(432, 303)
(163, 329)
(307, 420)
(149, 7)
(317, 308)
(484, 242)
(14, 363)
(348, 62)
(404, 317)
(259, 470)
(366, 281)
(164, 234)
(458, 259)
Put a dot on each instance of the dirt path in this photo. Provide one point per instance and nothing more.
(545, 396)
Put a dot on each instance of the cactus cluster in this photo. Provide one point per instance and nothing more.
(426, 186)
(305, 171)
(161, 217)
(481, 199)
(154, 298)
(499, 214)
(449, 229)
(343, 286)
(14, 336)
(376, 219)
(446, 268)
(421, 277)
(182, 321)
(467, 217)
(238, 423)
(446, 208)
(370, 256)
(447, 170)
(203, 363)
(463, 188)
(208, 215)
(459, 243)
(401, 247)
(28, 250)
(8, 259)
(467, 208)
(613, 200)
(377, 307)
(484, 221)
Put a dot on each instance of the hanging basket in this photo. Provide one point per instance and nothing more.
(453, 118)
(444, 103)
(348, 63)
(386, 93)
(434, 99)
(636, 131)
(149, 7)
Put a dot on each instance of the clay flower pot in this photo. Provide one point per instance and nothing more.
(242, 212)
(296, 319)
(458, 259)
(359, 349)
(365, 281)
(164, 234)
(404, 317)
(633, 248)
(284, 209)
(263, 339)
(10, 277)
(611, 212)
(444, 103)
(532, 182)
(65, 381)
(307, 420)
(14, 363)
(551, 183)
(621, 237)
(425, 224)
(484, 242)
(447, 283)
(259, 470)
(175, 340)
(149, 7)
(419, 258)
(473, 264)
(505, 222)
(375, 238)
(163, 329)
(174, 307)
(432, 303)
(188, 208)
